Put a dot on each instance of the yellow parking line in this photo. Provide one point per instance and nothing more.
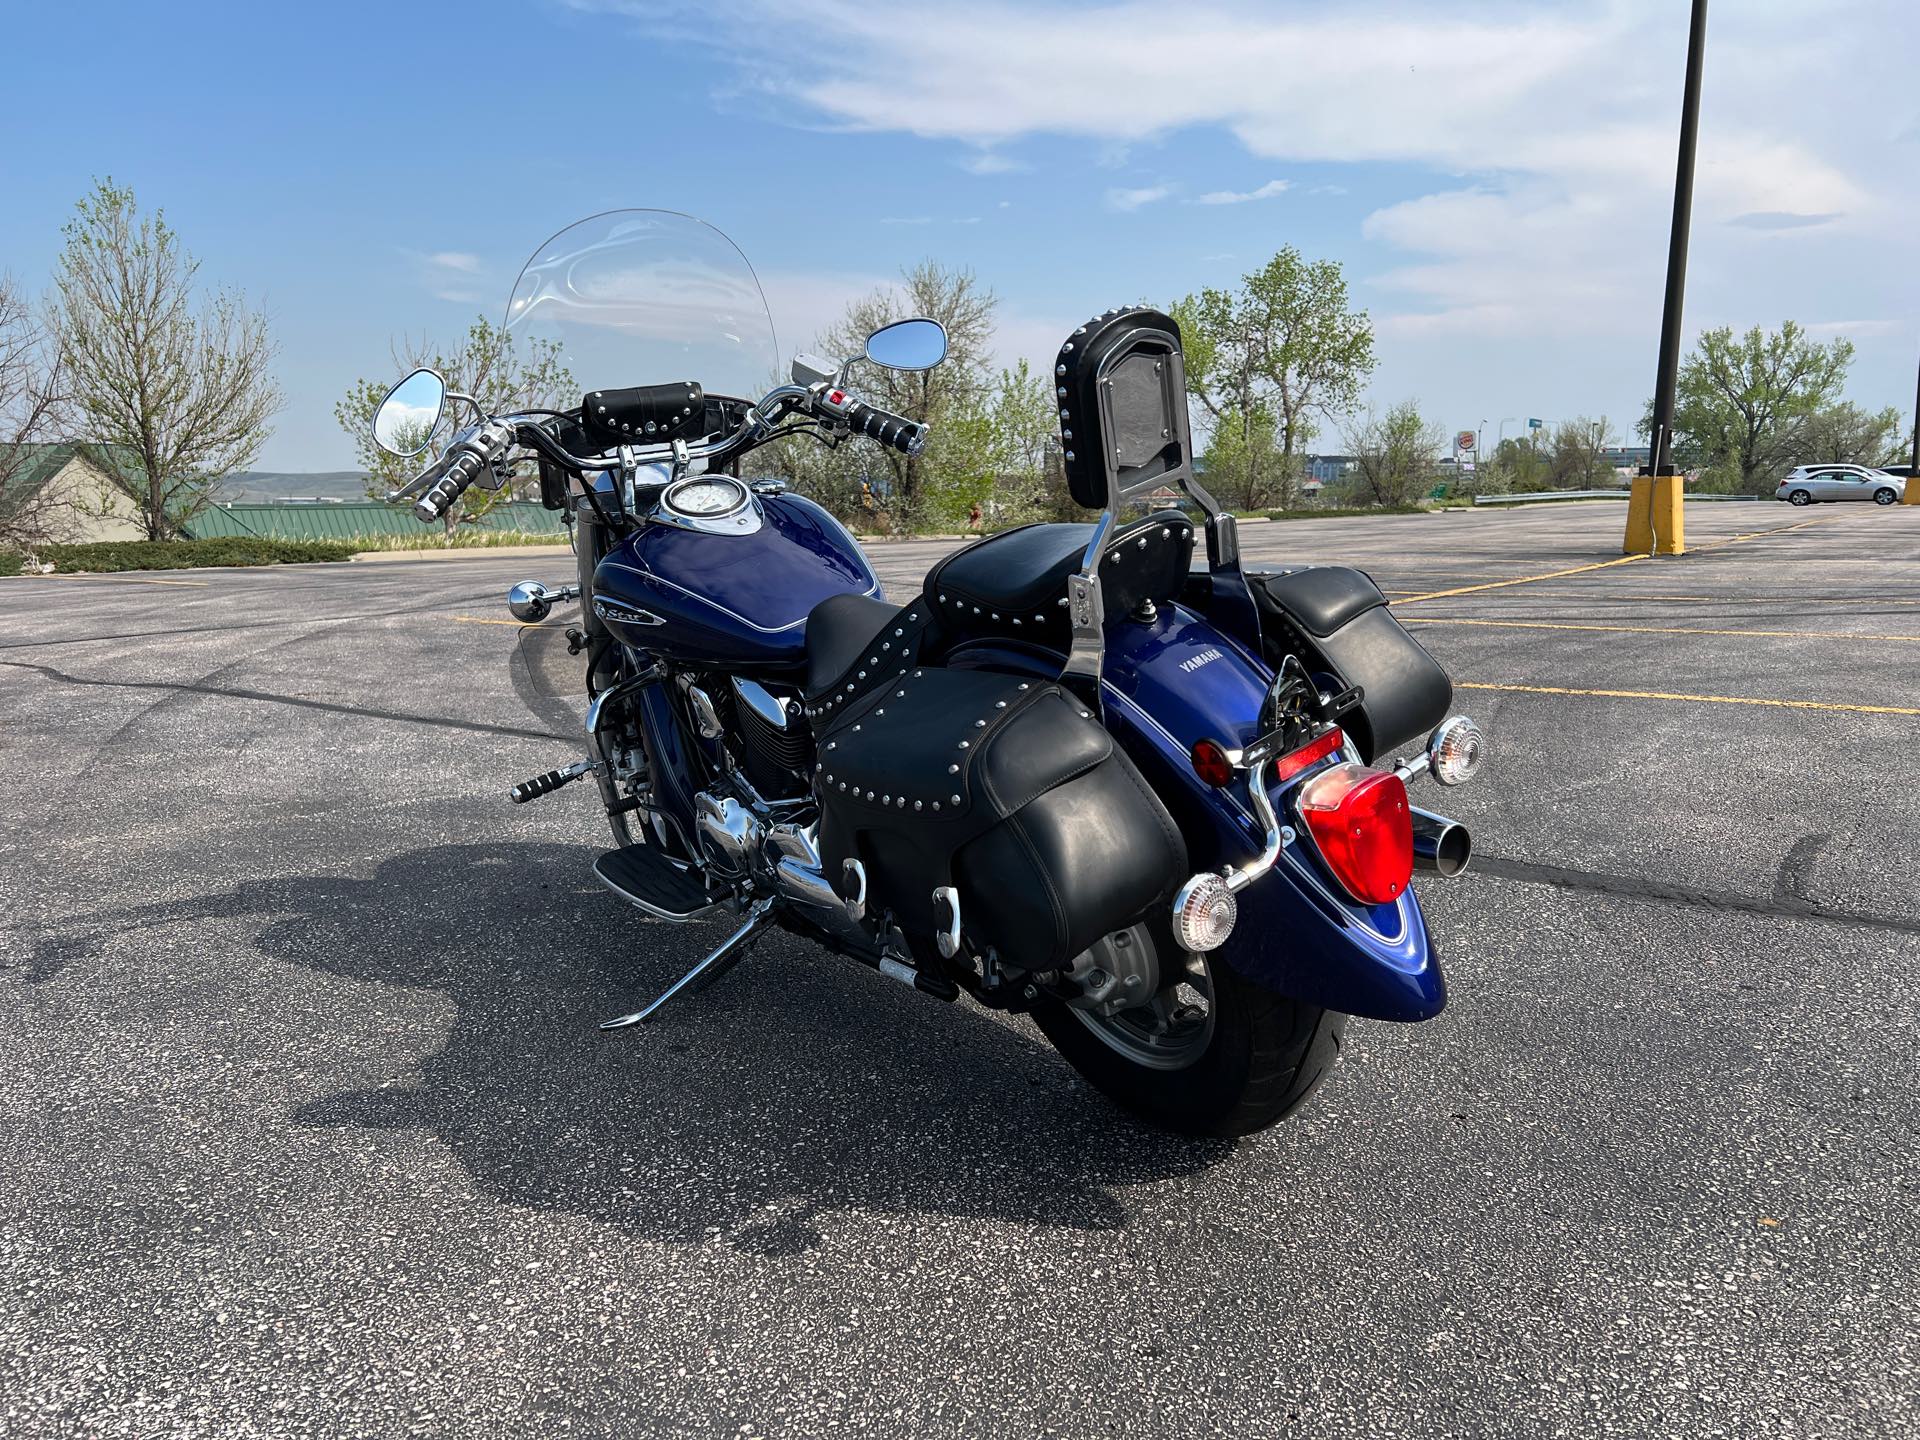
(1696, 699)
(1756, 534)
(1658, 629)
(1522, 580)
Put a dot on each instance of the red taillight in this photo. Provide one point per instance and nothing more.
(1211, 764)
(1359, 819)
(1308, 755)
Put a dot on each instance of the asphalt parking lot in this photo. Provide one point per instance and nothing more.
(306, 1129)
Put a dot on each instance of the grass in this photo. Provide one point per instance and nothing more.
(107, 556)
(1339, 512)
(467, 537)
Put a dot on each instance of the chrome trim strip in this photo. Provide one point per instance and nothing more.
(873, 589)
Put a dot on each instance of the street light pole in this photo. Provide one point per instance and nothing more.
(1656, 506)
(1913, 460)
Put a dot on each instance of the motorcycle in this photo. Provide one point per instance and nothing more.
(1152, 804)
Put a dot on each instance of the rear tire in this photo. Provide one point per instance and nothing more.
(1884, 497)
(1265, 1055)
(1799, 497)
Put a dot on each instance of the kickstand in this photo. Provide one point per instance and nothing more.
(708, 970)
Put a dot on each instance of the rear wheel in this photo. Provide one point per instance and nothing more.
(1884, 497)
(1210, 1054)
(1800, 497)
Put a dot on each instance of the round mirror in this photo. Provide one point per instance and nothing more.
(406, 419)
(918, 344)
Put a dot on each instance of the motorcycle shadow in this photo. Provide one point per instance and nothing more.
(799, 1084)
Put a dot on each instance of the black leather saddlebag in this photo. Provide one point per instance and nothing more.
(1006, 789)
(1337, 622)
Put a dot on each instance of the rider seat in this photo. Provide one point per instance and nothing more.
(1015, 583)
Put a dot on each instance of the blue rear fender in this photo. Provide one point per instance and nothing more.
(1176, 680)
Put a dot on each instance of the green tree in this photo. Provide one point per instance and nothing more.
(1394, 454)
(173, 389)
(488, 365)
(1576, 456)
(1515, 465)
(1845, 434)
(1742, 403)
(1243, 457)
(1284, 345)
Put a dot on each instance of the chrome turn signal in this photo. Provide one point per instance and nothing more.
(1455, 750)
(1203, 913)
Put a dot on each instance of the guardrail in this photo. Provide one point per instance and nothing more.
(1584, 495)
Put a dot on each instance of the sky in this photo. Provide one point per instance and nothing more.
(1495, 178)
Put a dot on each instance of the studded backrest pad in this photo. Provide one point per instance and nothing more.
(1121, 390)
(1015, 583)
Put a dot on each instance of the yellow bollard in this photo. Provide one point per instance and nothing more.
(1913, 490)
(1656, 521)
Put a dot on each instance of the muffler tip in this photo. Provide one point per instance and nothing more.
(1441, 846)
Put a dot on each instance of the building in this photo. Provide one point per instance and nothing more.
(70, 497)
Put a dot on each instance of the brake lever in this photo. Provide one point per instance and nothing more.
(419, 482)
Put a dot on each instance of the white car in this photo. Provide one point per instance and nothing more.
(1808, 483)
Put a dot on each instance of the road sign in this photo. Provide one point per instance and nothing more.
(1533, 424)
(1464, 440)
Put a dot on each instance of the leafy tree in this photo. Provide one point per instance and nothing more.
(1284, 345)
(1743, 403)
(186, 393)
(32, 396)
(909, 491)
(1515, 465)
(1846, 434)
(1243, 457)
(488, 365)
(1576, 457)
(1393, 454)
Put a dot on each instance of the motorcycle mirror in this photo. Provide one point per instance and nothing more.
(916, 344)
(530, 601)
(405, 422)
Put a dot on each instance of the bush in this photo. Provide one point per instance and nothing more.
(467, 537)
(109, 555)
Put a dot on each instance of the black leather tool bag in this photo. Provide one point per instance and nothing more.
(1008, 790)
(1337, 622)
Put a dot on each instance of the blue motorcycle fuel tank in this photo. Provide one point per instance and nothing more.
(732, 600)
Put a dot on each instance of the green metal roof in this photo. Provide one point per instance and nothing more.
(353, 521)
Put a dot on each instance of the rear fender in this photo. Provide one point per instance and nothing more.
(1176, 680)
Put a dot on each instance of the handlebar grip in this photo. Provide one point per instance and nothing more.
(889, 429)
(450, 487)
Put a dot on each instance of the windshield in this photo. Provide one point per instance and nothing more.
(648, 297)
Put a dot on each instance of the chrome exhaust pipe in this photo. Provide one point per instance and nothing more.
(1440, 846)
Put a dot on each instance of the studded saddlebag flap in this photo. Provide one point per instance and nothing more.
(1006, 789)
(1336, 620)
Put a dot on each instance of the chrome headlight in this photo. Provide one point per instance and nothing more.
(1455, 750)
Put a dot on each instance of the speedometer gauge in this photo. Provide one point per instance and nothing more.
(704, 498)
(716, 503)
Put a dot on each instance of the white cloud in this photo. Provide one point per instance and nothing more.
(1133, 199)
(1241, 197)
(1851, 328)
(456, 260)
(1560, 121)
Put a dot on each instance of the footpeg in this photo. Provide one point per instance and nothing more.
(548, 783)
(644, 877)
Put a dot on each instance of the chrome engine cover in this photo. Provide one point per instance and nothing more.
(729, 834)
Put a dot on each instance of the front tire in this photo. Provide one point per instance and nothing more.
(1884, 497)
(1800, 497)
(1261, 1056)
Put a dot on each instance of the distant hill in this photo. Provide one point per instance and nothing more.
(259, 485)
